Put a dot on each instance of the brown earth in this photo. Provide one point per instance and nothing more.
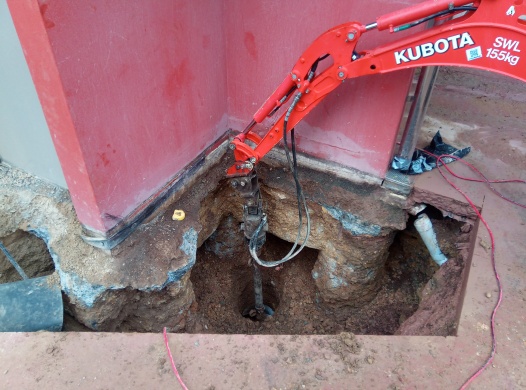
(223, 288)
(31, 254)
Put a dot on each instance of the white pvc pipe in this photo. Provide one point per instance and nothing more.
(424, 226)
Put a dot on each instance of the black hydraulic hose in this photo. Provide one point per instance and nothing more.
(302, 204)
(293, 165)
(310, 75)
(438, 14)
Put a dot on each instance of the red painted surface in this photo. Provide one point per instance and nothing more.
(357, 124)
(133, 91)
(47, 79)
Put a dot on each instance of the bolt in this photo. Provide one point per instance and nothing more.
(307, 91)
(341, 75)
(234, 183)
(243, 183)
(253, 160)
(351, 35)
(294, 76)
(232, 146)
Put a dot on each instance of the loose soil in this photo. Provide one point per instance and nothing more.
(223, 288)
(31, 254)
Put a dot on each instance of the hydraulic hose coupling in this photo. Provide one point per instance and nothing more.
(258, 237)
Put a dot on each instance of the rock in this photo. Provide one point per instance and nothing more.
(484, 245)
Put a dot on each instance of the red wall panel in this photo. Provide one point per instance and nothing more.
(31, 30)
(135, 90)
(145, 86)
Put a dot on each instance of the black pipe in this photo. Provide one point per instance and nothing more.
(258, 290)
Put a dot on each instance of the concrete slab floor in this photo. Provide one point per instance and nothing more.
(138, 361)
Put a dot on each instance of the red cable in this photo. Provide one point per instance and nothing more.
(497, 276)
(172, 360)
(484, 178)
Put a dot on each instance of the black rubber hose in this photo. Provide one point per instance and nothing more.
(438, 14)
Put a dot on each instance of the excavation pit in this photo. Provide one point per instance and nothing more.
(413, 289)
(364, 270)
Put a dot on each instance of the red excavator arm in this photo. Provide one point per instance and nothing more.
(484, 34)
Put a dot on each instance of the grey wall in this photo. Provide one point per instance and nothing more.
(25, 141)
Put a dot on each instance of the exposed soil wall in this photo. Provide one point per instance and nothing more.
(31, 254)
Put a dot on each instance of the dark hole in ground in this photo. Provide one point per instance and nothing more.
(31, 254)
(222, 282)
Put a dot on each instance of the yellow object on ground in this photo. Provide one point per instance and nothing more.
(178, 215)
